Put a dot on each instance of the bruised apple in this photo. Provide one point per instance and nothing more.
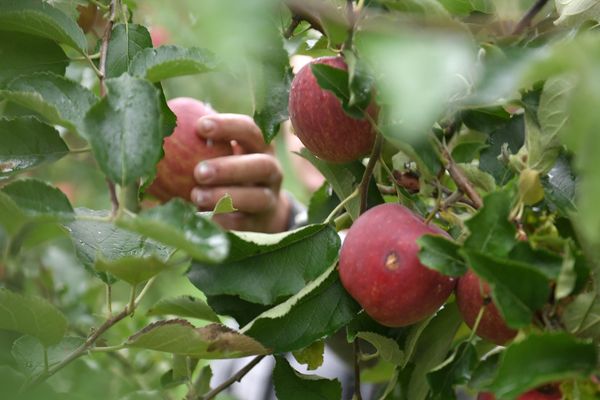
(470, 300)
(184, 149)
(320, 122)
(380, 268)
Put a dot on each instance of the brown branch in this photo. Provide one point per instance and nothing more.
(461, 180)
(102, 76)
(289, 32)
(81, 349)
(366, 178)
(357, 394)
(235, 378)
(528, 17)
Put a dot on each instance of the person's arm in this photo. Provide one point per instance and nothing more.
(252, 176)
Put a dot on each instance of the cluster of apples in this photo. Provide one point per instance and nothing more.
(379, 264)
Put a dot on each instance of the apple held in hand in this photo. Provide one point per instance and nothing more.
(320, 122)
(470, 300)
(184, 149)
(380, 268)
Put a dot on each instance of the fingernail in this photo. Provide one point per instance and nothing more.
(199, 197)
(206, 126)
(204, 172)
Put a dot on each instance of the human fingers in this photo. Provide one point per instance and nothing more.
(252, 200)
(233, 127)
(248, 169)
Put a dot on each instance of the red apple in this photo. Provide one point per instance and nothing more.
(159, 35)
(380, 267)
(469, 299)
(184, 149)
(320, 121)
(547, 392)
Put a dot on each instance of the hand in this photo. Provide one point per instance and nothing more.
(252, 176)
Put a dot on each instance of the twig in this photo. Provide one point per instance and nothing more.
(81, 349)
(357, 394)
(104, 47)
(289, 32)
(461, 180)
(102, 76)
(113, 197)
(340, 206)
(90, 341)
(528, 17)
(351, 22)
(235, 378)
(366, 178)
(305, 13)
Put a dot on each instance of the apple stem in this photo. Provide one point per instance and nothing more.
(477, 322)
(363, 187)
(462, 182)
(340, 206)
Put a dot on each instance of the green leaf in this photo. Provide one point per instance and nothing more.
(547, 263)
(95, 238)
(131, 269)
(482, 181)
(184, 306)
(441, 254)
(39, 198)
(224, 205)
(41, 19)
(582, 316)
(491, 231)
(292, 385)
(361, 81)
(170, 61)
(241, 310)
(387, 348)
(178, 224)
(29, 353)
(430, 350)
(12, 218)
(178, 336)
(126, 41)
(271, 98)
(58, 99)
(26, 143)
(344, 178)
(124, 129)
(510, 134)
(540, 359)
(518, 289)
(311, 355)
(31, 316)
(24, 54)
(265, 268)
(553, 113)
(317, 311)
(559, 187)
(456, 372)
(322, 202)
(336, 81)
